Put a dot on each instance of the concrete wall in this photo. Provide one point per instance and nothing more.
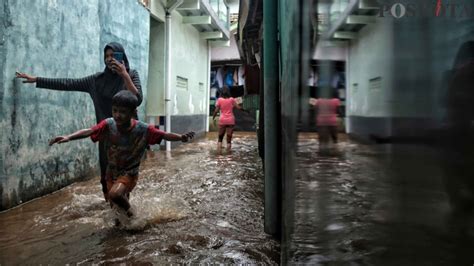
(447, 36)
(412, 56)
(56, 39)
(189, 61)
(127, 22)
(226, 53)
(333, 53)
(370, 57)
(190, 57)
(155, 105)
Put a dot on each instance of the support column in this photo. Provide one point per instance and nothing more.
(272, 129)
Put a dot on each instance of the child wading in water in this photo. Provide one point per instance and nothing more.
(126, 140)
(226, 105)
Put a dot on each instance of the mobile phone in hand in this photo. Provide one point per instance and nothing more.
(118, 56)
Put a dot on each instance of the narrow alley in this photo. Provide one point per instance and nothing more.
(375, 205)
(194, 206)
(355, 204)
(237, 132)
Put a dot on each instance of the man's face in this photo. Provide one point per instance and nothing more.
(108, 58)
(122, 115)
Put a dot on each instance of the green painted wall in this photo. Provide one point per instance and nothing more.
(447, 37)
(56, 39)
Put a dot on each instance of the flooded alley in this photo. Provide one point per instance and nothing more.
(351, 124)
(355, 204)
(375, 205)
(193, 206)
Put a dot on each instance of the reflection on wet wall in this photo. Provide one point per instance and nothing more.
(398, 74)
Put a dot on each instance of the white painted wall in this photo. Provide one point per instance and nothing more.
(189, 59)
(226, 53)
(155, 104)
(371, 56)
(330, 53)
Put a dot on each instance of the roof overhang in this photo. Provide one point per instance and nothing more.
(249, 31)
(356, 16)
(201, 16)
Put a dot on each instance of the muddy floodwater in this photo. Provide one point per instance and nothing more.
(375, 205)
(193, 206)
(355, 204)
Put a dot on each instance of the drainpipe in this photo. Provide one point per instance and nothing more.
(348, 95)
(208, 90)
(228, 15)
(271, 112)
(168, 11)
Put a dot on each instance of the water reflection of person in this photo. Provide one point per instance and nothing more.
(326, 119)
(458, 144)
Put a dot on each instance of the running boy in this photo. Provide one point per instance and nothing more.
(126, 140)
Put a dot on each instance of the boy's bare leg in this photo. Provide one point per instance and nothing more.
(219, 145)
(118, 195)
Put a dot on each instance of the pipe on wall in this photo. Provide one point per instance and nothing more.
(272, 207)
(168, 67)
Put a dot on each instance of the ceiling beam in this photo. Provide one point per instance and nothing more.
(189, 5)
(368, 4)
(172, 4)
(333, 43)
(355, 19)
(197, 20)
(211, 35)
(345, 35)
(220, 43)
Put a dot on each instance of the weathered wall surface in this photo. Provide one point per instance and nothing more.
(56, 39)
(413, 57)
(127, 22)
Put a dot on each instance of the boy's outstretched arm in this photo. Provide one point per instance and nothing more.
(178, 137)
(80, 134)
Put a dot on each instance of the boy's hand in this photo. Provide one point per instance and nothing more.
(60, 139)
(187, 136)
